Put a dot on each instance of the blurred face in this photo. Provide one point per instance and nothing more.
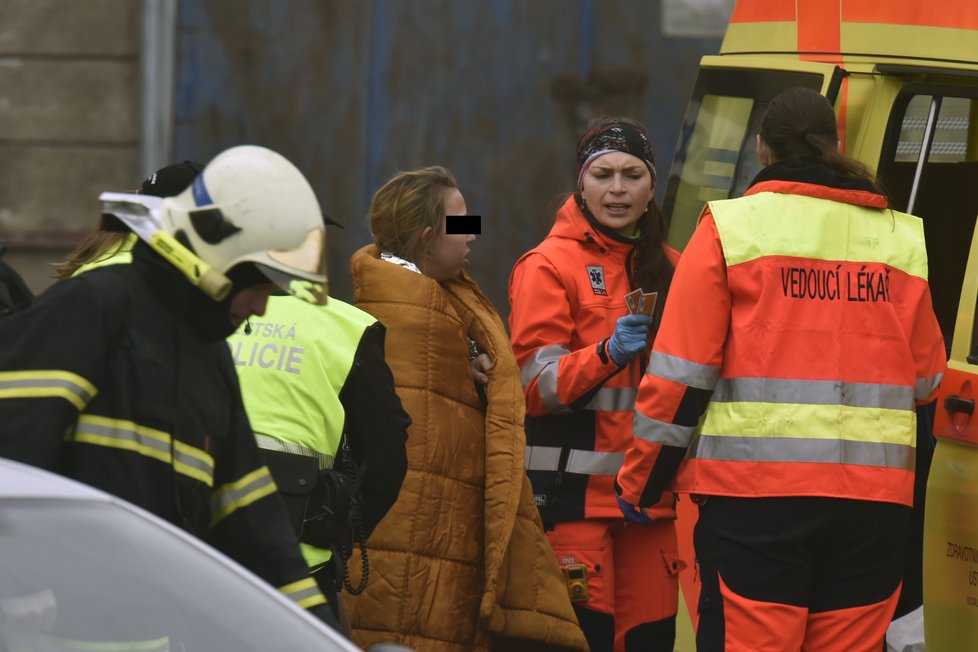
(250, 301)
(449, 253)
(617, 189)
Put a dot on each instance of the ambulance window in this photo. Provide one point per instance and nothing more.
(950, 141)
(930, 168)
(712, 152)
(717, 157)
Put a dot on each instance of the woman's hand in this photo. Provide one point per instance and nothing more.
(480, 364)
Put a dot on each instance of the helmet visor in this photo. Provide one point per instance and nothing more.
(309, 291)
(301, 271)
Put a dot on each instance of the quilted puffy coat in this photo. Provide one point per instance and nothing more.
(461, 561)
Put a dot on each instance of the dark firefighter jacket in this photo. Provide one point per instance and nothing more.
(121, 379)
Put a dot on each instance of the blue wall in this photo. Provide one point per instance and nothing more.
(496, 90)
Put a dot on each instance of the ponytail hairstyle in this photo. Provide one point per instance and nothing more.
(94, 247)
(650, 268)
(801, 122)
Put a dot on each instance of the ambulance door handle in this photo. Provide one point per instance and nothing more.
(958, 404)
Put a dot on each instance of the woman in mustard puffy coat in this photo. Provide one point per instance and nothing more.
(461, 561)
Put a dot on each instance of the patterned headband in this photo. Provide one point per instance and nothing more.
(613, 137)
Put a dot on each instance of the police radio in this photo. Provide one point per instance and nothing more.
(576, 577)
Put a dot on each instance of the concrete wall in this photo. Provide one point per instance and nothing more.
(69, 121)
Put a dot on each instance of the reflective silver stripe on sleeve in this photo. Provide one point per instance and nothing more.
(611, 399)
(813, 392)
(547, 458)
(541, 458)
(305, 593)
(241, 493)
(594, 462)
(547, 388)
(683, 371)
(47, 383)
(301, 596)
(924, 387)
(128, 437)
(193, 462)
(541, 358)
(660, 432)
(273, 444)
(789, 449)
(38, 383)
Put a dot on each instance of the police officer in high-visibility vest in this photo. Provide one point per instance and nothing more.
(800, 321)
(310, 376)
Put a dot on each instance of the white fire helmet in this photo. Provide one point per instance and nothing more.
(251, 205)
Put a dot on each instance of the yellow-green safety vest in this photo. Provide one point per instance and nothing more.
(292, 368)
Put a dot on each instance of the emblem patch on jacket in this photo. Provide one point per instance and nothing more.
(595, 274)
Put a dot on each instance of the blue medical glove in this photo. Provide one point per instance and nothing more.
(633, 514)
(630, 338)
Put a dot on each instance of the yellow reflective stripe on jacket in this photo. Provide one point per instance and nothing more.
(47, 383)
(156, 444)
(18, 641)
(762, 421)
(786, 449)
(239, 494)
(754, 227)
(193, 462)
(127, 435)
(304, 593)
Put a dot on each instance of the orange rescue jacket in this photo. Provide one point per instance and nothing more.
(801, 316)
(566, 295)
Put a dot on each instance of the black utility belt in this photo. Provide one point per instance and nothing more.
(296, 477)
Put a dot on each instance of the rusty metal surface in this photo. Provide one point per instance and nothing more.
(496, 90)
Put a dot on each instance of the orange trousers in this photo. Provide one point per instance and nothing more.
(633, 581)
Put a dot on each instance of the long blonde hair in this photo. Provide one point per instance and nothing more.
(407, 204)
(94, 247)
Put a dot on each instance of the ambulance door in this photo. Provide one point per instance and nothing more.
(929, 164)
(716, 156)
(950, 555)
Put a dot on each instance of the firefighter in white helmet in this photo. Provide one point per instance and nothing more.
(120, 377)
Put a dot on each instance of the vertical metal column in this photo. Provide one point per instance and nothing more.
(159, 18)
(925, 143)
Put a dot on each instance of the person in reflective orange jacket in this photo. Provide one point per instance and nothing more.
(800, 321)
(581, 359)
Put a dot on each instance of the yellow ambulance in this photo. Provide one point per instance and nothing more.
(903, 77)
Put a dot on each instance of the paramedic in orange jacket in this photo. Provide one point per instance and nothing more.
(800, 321)
(581, 359)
